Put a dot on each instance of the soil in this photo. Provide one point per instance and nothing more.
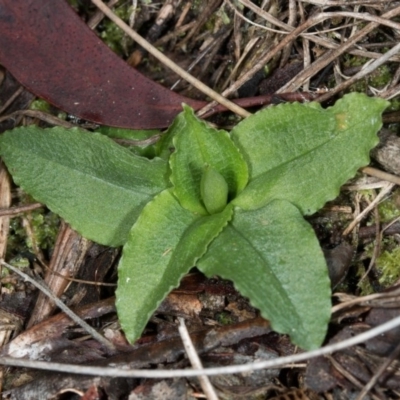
(231, 46)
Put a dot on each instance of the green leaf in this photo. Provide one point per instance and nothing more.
(165, 146)
(144, 150)
(198, 145)
(273, 257)
(303, 153)
(165, 242)
(214, 190)
(96, 185)
(129, 134)
(298, 154)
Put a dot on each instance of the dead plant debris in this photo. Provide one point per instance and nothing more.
(279, 51)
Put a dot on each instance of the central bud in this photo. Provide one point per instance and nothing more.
(214, 190)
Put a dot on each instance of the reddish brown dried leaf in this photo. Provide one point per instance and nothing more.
(50, 51)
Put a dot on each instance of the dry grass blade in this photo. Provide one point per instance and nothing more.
(322, 61)
(381, 175)
(13, 211)
(333, 3)
(11, 99)
(381, 370)
(195, 361)
(315, 36)
(348, 375)
(5, 201)
(41, 115)
(170, 64)
(333, 54)
(373, 204)
(368, 69)
(350, 301)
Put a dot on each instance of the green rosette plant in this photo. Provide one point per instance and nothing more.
(231, 204)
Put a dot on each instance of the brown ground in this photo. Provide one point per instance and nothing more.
(235, 49)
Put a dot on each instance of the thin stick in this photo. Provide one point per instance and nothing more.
(13, 211)
(98, 16)
(365, 300)
(377, 244)
(322, 62)
(170, 64)
(145, 142)
(234, 369)
(365, 71)
(373, 204)
(391, 92)
(207, 50)
(392, 356)
(330, 3)
(311, 36)
(205, 383)
(62, 306)
(51, 119)
(331, 55)
(351, 378)
(377, 173)
(11, 99)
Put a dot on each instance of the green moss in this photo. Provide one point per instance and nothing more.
(196, 4)
(380, 77)
(377, 79)
(224, 318)
(74, 4)
(388, 265)
(210, 24)
(20, 262)
(223, 16)
(40, 105)
(394, 105)
(16, 238)
(353, 61)
(364, 286)
(45, 228)
(113, 36)
(389, 209)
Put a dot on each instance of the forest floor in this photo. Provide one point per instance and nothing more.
(311, 49)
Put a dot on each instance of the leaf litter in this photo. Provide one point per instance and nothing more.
(329, 222)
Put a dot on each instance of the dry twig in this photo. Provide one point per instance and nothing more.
(373, 204)
(195, 361)
(234, 369)
(170, 64)
(92, 332)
